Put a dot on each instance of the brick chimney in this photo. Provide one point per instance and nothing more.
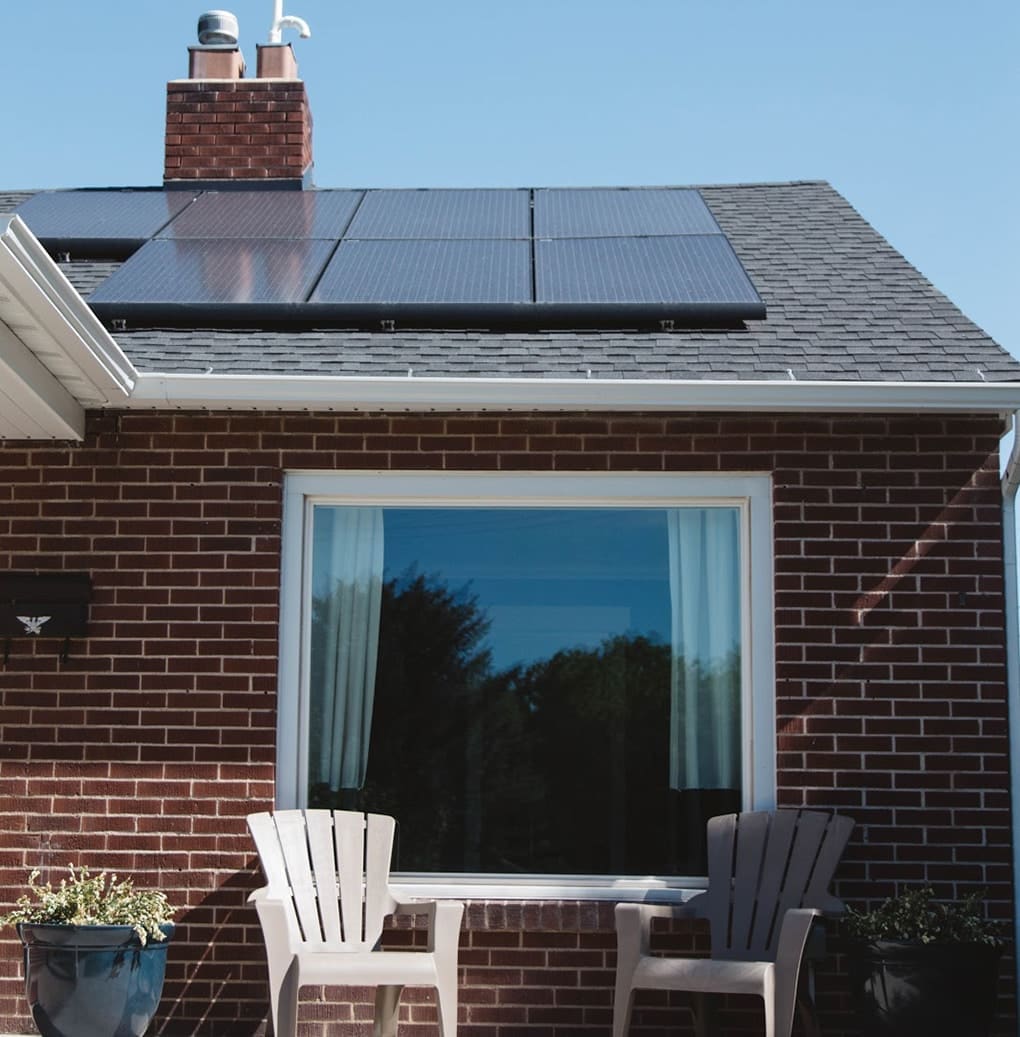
(224, 130)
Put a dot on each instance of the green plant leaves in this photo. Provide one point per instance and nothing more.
(915, 915)
(87, 899)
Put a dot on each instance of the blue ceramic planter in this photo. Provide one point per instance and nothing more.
(92, 980)
(908, 989)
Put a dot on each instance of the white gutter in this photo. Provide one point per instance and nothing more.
(337, 393)
(1010, 487)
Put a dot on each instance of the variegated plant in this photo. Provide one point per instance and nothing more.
(87, 899)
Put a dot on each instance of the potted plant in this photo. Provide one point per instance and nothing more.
(918, 966)
(95, 954)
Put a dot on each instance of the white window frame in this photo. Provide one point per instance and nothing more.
(751, 493)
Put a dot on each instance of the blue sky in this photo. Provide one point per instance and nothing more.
(910, 108)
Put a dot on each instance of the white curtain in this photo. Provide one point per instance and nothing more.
(704, 585)
(351, 644)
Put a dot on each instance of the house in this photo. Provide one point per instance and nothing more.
(551, 583)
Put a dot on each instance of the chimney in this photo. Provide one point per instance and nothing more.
(225, 131)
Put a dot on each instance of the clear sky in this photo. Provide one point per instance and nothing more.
(910, 108)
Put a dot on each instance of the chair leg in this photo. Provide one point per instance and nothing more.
(387, 1009)
(770, 1017)
(446, 1006)
(623, 1005)
(808, 1016)
(285, 1003)
(703, 1007)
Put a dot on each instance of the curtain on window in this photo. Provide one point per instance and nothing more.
(704, 584)
(351, 644)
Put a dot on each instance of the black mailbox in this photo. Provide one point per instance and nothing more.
(46, 605)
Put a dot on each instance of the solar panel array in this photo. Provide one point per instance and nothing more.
(550, 257)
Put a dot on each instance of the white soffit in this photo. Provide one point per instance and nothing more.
(308, 393)
(56, 358)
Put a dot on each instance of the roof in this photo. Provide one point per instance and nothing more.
(843, 306)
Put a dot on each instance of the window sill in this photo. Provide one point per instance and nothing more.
(546, 887)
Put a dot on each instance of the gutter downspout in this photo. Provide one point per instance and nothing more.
(1010, 486)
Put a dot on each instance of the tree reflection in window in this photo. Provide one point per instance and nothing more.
(556, 766)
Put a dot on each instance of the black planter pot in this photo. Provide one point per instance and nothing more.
(92, 980)
(908, 989)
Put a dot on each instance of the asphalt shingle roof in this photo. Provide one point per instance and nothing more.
(842, 304)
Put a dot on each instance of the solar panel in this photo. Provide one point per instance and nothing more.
(100, 224)
(427, 272)
(212, 273)
(439, 214)
(266, 214)
(689, 273)
(621, 212)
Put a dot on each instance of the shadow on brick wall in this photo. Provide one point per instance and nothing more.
(216, 982)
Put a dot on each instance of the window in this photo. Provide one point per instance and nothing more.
(536, 675)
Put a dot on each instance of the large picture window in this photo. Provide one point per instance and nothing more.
(533, 676)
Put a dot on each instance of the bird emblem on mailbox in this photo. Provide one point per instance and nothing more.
(34, 624)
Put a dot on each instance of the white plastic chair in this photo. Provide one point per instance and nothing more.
(322, 912)
(768, 879)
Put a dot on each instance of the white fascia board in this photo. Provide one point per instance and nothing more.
(306, 393)
(35, 403)
(66, 336)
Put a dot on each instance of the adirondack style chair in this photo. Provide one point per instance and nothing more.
(322, 911)
(768, 879)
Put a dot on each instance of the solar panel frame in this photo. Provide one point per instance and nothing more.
(101, 224)
(440, 214)
(621, 212)
(264, 215)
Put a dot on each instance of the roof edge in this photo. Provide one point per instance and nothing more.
(170, 391)
(82, 354)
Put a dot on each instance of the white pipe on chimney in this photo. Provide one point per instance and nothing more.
(283, 21)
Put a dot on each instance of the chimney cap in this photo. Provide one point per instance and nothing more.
(218, 29)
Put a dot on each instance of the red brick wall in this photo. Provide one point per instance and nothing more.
(145, 749)
(248, 129)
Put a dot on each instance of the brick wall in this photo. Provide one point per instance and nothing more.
(248, 129)
(145, 749)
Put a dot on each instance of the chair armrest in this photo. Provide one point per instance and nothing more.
(444, 918)
(634, 922)
(276, 916)
(280, 933)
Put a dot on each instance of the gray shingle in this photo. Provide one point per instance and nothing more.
(10, 200)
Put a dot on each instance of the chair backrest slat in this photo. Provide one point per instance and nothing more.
(782, 832)
(762, 864)
(290, 824)
(837, 834)
(751, 833)
(378, 851)
(267, 842)
(798, 837)
(332, 867)
(319, 824)
(350, 855)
